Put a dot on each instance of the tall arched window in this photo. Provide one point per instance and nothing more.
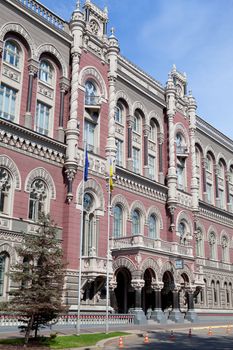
(135, 222)
(182, 232)
(212, 245)
(210, 179)
(153, 130)
(152, 226)
(225, 250)
(5, 187)
(89, 247)
(118, 221)
(37, 199)
(136, 122)
(11, 53)
(46, 72)
(90, 93)
(199, 243)
(4, 266)
(119, 113)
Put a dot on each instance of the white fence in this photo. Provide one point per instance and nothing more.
(71, 320)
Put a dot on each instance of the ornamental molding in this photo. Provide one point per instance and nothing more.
(184, 199)
(93, 187)
(50, 48)
(97, 165)
(121, 94)
(216, 217)
(41, 173)
(142, 108)
(136, 187)
(10, 165)
(182, 215)
(123, 262)
(150, 263)
(186, 270)
(11, 73)
(139, 206)
(19, 141)
(6, 248)
(18, 28)
(158, 118)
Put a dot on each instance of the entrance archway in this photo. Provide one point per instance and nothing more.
(124, 292)
(148, 294)
(166, 292)
(184, 283)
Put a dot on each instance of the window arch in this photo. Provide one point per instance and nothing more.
(11, 53)
(46, 71)
(119, 113)
(153, 131)
(136, 222)
(137, 122)
(210, 178)
(118, 221)
(38, 199)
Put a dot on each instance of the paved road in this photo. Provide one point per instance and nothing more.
(200, 340)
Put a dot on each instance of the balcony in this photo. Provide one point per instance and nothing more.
(182, 151)
(156, 245)
(214, 264)
(92, 101)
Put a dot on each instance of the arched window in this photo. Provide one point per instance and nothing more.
(210, 179)
(136, 122)
(37, 199)
(152, 134)
(135, 222)
(4, 265)
(91, 97)
(11, 53)
(225, 251)
(5, 187)
(89, 245)
(199, 243)
(182, 232)
(119, 113)
(212, 245)
(152, 226)
(46, 72)
(118, 221)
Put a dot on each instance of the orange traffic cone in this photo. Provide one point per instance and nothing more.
(120, 345)
(190, 332)
(210, 331)
(172, 336)
(146, 339)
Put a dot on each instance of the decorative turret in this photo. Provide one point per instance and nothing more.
(170, 92)
(72, 132)
(192, 106)
(96, 19)
(180, 82)
(113, 51)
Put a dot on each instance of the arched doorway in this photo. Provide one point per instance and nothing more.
(148, 294)
(124, 292)
(166, 292)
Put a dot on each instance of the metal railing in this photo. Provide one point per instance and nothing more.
(181, 149)
(91, 100)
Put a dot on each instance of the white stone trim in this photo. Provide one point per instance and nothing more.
(50, 48)
(154, 210)
(41, 173)
(93, 72)
(10, 165)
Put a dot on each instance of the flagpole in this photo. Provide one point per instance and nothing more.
(108, 253)
(80, 248)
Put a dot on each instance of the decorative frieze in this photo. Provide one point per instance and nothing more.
(45, 91)
(216, 217)
(10, 236)
(11, 73)
(184, 199)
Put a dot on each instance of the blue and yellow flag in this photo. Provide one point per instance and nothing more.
(86, 166)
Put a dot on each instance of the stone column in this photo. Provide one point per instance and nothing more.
(146, 130)
(160, 149)
(130, 142)
(139, 315)
(192, 129)
(175, 315)
(157, 314)
(33, 70)
(64, 86)
(191, 314)
(171, 176)
(112, 295)
(72, 132)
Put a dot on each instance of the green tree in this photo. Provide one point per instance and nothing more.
(39, 277)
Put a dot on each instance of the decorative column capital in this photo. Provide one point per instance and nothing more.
(146, 130)
(129, 120)
(64, 84)
(160, 138)
(33, 67)
(138, 284)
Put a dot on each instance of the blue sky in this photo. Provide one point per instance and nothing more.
(196, 35)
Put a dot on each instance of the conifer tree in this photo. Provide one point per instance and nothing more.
(39, 278)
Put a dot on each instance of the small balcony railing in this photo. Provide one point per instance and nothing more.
(181, 149)
(91, 100)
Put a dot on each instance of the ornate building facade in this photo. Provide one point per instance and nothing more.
(65, 84)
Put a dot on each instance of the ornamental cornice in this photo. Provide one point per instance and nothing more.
(10, 236)
(27, 141)
(215, 215)
(184, 199)
(138, 187)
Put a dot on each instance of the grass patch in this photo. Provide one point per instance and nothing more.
(68, 341)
